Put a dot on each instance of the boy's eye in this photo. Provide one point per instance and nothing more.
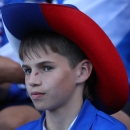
(27, 71)
(47, 68)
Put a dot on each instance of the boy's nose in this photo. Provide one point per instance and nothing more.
(34, 80)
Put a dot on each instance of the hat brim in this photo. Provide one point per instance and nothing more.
(112, 83)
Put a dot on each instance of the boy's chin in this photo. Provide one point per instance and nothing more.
(41, 107)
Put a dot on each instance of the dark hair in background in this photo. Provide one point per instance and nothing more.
(49, 1)
(61, 45)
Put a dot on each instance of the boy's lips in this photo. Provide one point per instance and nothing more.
(36, 95)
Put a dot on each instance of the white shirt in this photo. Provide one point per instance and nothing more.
(44, 128)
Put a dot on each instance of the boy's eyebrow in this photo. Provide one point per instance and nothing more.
(38, 64)
(25, 66)
(44, 62)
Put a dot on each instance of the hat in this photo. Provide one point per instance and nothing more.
(111, 90)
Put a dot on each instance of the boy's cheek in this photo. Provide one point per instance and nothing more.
(26, 80)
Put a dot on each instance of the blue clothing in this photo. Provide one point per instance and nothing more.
(18, 96)
(124, 50)
(89, 118)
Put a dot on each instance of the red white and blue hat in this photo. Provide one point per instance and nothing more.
(112, 83)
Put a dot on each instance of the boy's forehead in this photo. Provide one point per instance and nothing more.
(51, 59)
(36, 53)
(40, 55)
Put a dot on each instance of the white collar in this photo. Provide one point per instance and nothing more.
(44, 128)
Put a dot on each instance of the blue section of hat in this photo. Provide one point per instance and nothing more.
(28, 16)
(13, 1)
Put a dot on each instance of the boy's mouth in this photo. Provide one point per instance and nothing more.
(36, 95)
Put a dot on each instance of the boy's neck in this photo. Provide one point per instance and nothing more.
(62, 118)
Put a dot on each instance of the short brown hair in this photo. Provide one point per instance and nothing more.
(61, 45)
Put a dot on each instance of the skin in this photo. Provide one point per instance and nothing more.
(8, 68)
(55, 87)
(16, 116)
(123, 117)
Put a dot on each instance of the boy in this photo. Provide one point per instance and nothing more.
(71, 67)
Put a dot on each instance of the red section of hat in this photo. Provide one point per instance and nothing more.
(112, 83)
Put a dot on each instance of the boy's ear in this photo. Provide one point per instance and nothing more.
(84, 69)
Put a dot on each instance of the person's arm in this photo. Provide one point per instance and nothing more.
(10, 71)
(123, 117)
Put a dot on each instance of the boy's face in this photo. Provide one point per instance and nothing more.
(49, 79)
